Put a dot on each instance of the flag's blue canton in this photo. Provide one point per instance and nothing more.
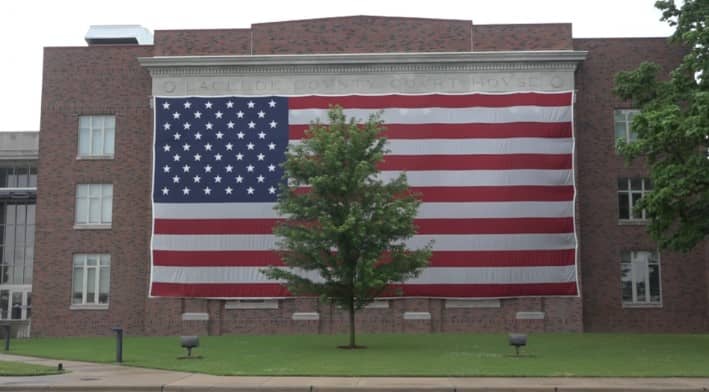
(226, 149)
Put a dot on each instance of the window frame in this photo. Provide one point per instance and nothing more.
(648, 302)
(628, 115)
(99, 267)
(93, 154)
(645, 188)
(101, 224)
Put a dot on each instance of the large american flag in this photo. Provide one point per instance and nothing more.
(495, 172)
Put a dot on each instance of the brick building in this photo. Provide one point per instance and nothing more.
(94, 200)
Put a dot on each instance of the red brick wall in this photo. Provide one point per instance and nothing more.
(92, 80)
(362, 34)
(202, 42)
(561, 315)
(602, 238)
(556, 36)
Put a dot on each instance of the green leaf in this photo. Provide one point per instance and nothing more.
(672, 129)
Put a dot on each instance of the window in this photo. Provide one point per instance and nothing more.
(16, 303)
(91, 279)
(640, 278)
(623, 122)
(630, 191)
(96, 135)
(16, 243)
(18, 176)
(94, 203)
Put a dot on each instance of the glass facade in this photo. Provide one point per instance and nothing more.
(17, 237)
(18, 176)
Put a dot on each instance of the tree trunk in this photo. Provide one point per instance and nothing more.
(352, 324)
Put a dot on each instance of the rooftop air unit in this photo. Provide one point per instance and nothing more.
(118, 34)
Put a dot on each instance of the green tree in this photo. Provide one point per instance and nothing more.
(672, 129)
(343, 239)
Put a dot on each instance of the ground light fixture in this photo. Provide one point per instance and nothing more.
(517, 340)
(189, 342)
(119, 343)
(6, 330)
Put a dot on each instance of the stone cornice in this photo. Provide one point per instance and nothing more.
(562, 60)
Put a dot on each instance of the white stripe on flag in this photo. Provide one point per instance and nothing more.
(451, 242)
(437, 275)
(502, 146)
(458, 178)
(485, 115)
(471, 210)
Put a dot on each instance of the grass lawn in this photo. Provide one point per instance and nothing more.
(8, 368)
(400, 355)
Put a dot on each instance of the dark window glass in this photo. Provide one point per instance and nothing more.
(622, 184)
(4, 303)
(29, 304)
(16, 305)
(654, 283)
(626, 281)
(623, 206)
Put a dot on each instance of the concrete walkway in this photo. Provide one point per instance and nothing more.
(90, 377)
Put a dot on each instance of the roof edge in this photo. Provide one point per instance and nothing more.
(366, 58)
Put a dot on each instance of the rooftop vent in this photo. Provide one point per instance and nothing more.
(118, 34)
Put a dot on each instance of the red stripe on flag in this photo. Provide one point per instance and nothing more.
(243, 258)
(265, 258)
(463, 131)
(430, 101)
(495, 193)
(495, 226)
(425, 226)
(485, 290)
(215, 290)
(476, 162)
(214, 226)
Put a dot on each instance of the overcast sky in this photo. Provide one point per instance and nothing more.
(26, 26)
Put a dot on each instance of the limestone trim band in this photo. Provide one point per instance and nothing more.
(358, 63)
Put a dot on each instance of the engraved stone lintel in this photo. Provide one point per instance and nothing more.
(407, 83)
(376, 73)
